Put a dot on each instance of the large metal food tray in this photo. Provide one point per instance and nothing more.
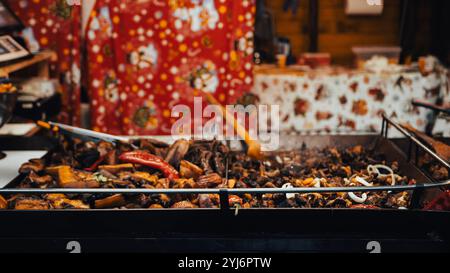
(253, 230)
(289, 143)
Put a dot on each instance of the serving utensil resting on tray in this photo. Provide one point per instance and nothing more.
(440, 148)
(83, 134)
(253, 146)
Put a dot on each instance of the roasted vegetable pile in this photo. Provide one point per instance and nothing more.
(203, 164)
(436, 170)
(330, 167)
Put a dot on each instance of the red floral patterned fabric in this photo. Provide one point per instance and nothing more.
(147, 56)
(57, 26)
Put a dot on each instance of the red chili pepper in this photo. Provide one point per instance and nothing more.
(94, 166)
(149, 160)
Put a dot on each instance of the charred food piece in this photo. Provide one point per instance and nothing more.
(31, 204)
(153, 142)
(67, 178)
(212, 180)
(113, 201)
(60, 201)
(34, 165)
(190, 170)
(208, 200)
(40, 180)
(177, 152)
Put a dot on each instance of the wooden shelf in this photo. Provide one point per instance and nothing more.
(40, 59)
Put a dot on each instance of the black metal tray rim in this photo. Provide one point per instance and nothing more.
(231, 210)
(224, 195)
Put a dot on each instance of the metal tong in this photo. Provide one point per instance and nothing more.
(83, 134)
(253, 145)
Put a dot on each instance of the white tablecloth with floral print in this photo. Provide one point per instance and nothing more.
(340, 100)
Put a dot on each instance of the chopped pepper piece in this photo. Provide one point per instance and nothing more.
(113, 201)
(3, 203)
(114, 169)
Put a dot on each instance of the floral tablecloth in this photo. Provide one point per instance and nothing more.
(340, 100)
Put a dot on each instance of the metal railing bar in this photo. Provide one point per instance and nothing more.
(229, 191)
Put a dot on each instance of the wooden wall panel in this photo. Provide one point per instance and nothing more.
(291, 26)
(339, 32)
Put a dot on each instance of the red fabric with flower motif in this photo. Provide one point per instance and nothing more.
(57, 26)
(147, 56)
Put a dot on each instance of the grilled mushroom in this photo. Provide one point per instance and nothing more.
(34, 165)
(177, 152)
(209, 181)
(40, 180)
(189, 170)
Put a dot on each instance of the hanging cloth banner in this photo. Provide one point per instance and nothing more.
(147, 56)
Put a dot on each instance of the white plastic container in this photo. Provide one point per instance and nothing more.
(364, 53)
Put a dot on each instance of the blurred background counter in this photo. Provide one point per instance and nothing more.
(335, 99)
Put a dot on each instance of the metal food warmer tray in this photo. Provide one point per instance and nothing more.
(249, 230)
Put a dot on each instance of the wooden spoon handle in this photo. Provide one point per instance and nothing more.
(254, 148)
(440, 148)
(423, 136)
(229, 118)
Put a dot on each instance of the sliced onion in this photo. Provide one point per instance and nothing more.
(374, 169)
(363, 181)
(358, 199)
(278, 159)
(363, 197)
(289, 186)
(346, 181)
(317, 182)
